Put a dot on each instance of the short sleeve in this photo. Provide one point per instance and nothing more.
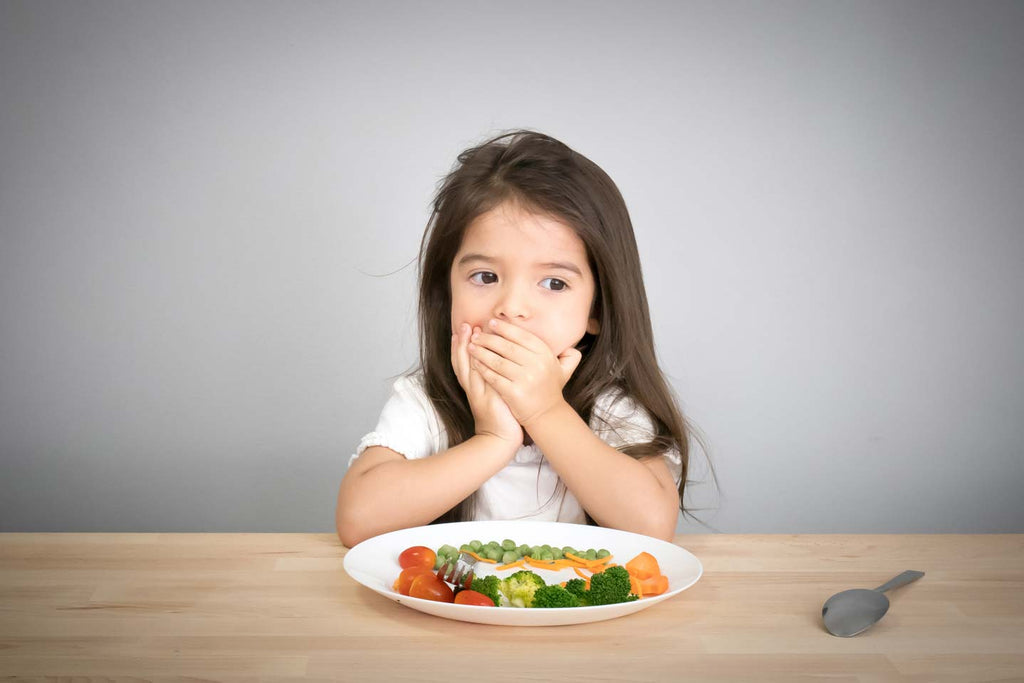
(408, 423)
(620, 421)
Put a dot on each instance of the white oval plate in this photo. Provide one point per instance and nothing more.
(374, 563)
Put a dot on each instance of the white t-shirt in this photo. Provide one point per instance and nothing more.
(528, 487)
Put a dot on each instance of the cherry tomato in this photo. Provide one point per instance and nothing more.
(404, 580)
(417, 556)
(468, 597)
(429, 587)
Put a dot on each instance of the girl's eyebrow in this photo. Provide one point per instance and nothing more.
(555, 265)
(560, 265)
(469, 258)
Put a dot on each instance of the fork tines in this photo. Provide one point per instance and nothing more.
(459, 572)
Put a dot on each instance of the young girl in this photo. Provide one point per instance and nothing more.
(538, 394)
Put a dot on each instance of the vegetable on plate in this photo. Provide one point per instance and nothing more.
(600, 582)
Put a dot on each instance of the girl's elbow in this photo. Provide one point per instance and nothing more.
(347, 524)
(663, 529)
(348, 539)
(344, 534)
(651, 523)
(663, 524)
(669, 533)
(349, 531)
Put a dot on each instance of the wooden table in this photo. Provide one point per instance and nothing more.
(276, 606)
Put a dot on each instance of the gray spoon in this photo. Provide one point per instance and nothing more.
(848, 613)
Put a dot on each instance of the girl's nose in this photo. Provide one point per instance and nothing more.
(512, 305)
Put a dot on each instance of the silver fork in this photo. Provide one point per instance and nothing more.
(458, 572)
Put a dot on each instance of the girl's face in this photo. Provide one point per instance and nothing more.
(525, 268)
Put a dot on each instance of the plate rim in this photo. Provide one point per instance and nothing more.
(510, 616)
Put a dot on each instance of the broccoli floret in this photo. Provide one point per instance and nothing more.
(577, 587)
(554, 596)
(609, 587)
(489, 586)
(520, 588)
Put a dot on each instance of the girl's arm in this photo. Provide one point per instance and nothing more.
(383, 491)
(616, 489)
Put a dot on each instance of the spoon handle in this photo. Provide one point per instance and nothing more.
(901, 580)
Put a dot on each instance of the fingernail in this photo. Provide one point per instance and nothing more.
(493, 322)
(475, 335)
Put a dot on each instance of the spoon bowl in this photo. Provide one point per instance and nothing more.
(852, 611)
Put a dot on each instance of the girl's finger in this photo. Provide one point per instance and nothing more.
(500, 384)
(518, 335)
(569, 361)
(498, 364)
(455, 356)
(460, 356)
(475, 381)
(505, 348)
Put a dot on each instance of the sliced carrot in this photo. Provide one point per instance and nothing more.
(511, 565)
(478, 557)
(643, 566)
(549, 564)
(579, 572)
(635, 587)
(655, 585)
(589, 563)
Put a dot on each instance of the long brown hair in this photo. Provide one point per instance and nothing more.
(545, 176)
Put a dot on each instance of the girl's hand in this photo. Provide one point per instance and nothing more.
(491, 415)
(522, 369)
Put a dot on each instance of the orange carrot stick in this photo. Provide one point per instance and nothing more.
(478, 557)
(510, 565)
(542, 564)
(589, 563)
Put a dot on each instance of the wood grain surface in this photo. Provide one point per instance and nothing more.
(280, 606)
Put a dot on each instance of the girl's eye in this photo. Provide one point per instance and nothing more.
(483, 278)
(554, 284)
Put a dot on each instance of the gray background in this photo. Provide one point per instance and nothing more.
(207, 212)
